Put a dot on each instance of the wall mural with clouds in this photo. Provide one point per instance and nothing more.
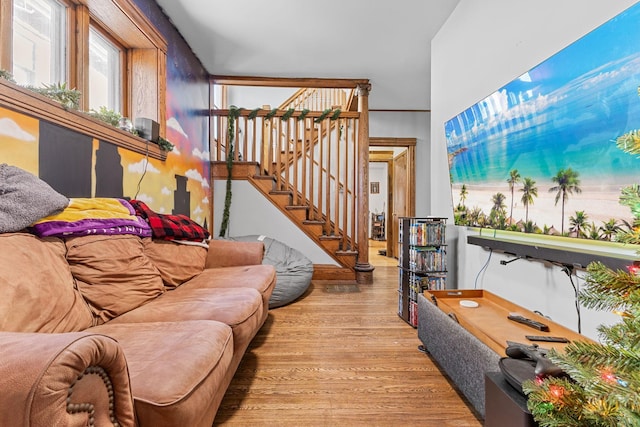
(78, 165)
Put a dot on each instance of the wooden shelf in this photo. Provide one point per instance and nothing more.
(488, 322)
(27, 102)
(574, 254)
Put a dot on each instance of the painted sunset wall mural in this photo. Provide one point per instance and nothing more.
(78, 165)
(546, 142)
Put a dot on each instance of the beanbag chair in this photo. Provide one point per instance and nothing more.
(293, 269)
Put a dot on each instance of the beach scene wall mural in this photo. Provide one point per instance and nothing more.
(539, 155)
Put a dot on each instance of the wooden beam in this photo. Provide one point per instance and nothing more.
(288, 82)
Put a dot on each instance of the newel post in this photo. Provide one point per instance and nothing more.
(364, 270)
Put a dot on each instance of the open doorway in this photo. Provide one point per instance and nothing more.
(397, 157)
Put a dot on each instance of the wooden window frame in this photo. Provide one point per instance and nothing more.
(124, 66)
(145, 50)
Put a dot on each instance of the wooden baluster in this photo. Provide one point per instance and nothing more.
(270, 154)
(312, 167)
(347, 187)
(338, 184)
(303, 165)
(278, 166)
(287, 156)
(254, 144)
(296, 158)
(236, 140)
(327, 125)
(320, 191)
(245, 136)
(219, 142)
(354, 210)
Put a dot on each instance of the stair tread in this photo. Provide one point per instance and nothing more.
(262, 177)
(329, 237)
(346, 252)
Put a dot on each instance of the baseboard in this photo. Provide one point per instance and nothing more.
(332, 272)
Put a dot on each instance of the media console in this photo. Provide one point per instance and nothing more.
(468, 342)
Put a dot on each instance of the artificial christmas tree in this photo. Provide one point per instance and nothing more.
(604, 384)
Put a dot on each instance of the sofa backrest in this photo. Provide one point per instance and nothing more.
(112, 273)
(64, 285)
(37, 290)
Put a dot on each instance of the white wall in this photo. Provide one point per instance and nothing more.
(252, 214)
(481, 47)
(408, 125)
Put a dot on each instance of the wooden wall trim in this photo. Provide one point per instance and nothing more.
(392, 142)
(288, 82)
(40, 107)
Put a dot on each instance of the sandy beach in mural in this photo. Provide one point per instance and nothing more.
(599, 202)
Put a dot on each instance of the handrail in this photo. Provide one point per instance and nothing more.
(314, 161)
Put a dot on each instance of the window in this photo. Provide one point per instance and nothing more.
(105, 72)
(106, 49)
(39, 42)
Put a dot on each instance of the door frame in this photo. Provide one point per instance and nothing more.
(410, 145)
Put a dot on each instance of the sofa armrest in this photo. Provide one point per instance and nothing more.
(70, 379)
(229, 253)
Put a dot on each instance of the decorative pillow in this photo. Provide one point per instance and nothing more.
(176, 262)
(113, 273)
(38, 291)
(25, 198)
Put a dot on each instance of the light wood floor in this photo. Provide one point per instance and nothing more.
(341, 356)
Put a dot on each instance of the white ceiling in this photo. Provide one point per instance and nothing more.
(387, 42)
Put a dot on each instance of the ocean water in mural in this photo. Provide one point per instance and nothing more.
(566, 112)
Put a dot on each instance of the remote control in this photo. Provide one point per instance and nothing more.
(529, 322)
(546, 339)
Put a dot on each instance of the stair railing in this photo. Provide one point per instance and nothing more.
(316, 160)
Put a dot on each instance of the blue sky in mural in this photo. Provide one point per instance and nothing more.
(565, 112)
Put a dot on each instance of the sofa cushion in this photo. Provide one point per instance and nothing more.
(177, 369)
(38, 293)
(113, 273)
(176, 262)
(240, 308)
(259, 277)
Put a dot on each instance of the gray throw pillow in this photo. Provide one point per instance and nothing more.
(25, 198)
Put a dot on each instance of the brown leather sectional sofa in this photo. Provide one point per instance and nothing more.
(123, 330)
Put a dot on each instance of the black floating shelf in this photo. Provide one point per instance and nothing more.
(555, 253)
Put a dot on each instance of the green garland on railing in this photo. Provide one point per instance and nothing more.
(254, 113)
(303, 114)
(234, 113)
(271, 113)
(322, 116)
(287, 115)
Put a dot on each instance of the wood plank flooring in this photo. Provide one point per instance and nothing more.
(341, 356)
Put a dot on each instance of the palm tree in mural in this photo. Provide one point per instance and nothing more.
(609, 229)
(498, 209)
(498, 202)
(474, 216)
(567, 182)
(579, 224)
(463, 194)
(529, 191)
(514, 178)
(594, 231)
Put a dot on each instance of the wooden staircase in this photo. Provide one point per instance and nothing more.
(307, 167)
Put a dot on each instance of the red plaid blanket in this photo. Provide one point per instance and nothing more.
(170, 227)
